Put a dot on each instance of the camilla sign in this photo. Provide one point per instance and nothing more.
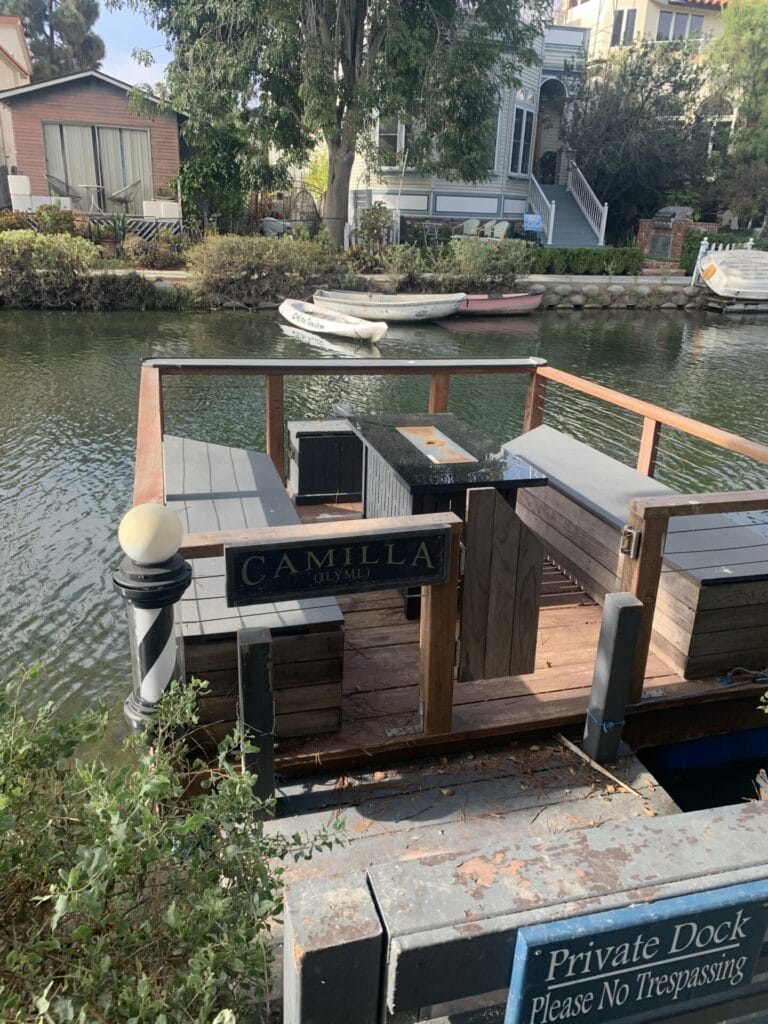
(640, 962)
(281, 570)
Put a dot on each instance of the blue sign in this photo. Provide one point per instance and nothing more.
(532, 222)
(639, 960)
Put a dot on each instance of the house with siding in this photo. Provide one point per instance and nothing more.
(77, 136)
(531, 171)
(623, 22)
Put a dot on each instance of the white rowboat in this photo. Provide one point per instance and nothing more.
(351, 348)
(322, 321)
(736, 273)
(370, 305)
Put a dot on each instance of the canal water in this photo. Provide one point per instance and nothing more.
(68, 395)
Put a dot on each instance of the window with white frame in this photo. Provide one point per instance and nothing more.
(522, 133)
(623, 27)
(678, 25)
(394, 140)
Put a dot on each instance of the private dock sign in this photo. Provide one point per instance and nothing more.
(639, 962)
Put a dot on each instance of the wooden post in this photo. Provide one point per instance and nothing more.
(438, 644)
(612, 677)
(438, 392)
(534, 402)
(649, 446)
(257, 707)
(275, 400)
(640, 576)
(149, 482)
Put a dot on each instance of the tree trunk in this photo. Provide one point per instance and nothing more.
(340, 159)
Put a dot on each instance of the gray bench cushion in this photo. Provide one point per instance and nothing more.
(712, 549)
(212, 487)
(596, 481)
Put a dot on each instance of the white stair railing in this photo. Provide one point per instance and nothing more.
(595, 213)
(539, 203)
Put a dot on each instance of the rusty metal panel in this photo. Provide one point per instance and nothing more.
(333, 953)
(451, 921)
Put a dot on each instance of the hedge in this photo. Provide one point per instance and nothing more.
(607, 260)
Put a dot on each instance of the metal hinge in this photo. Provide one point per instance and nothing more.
(630, 542)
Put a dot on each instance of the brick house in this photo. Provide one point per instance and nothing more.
(80, 131)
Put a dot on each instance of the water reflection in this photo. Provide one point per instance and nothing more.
(68, 389)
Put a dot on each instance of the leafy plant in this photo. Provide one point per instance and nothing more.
(52, 220)
(126, 897)
(161, 252)
(251, 270)
(11, 220)
(43, 271)
(376, 226)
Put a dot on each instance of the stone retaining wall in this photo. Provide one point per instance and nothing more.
(570, 293)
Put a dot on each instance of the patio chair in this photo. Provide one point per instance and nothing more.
(59, 187)
(501, 229)
(486, 230)
(468, 228)
(125, 196)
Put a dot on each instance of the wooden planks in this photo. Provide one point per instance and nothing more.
(502, 585)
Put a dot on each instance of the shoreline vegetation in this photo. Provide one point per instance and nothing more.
(61, 271)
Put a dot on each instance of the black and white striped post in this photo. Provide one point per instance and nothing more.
(152, 577)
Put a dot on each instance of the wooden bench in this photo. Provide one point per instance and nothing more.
(213, 487)
(712, 607)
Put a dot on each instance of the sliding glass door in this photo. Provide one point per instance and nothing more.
(98, 165)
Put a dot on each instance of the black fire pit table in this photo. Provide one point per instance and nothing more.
(426, 463)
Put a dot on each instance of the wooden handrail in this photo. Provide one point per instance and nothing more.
(722, 438)
(148, 480)
(148, 477)
(649, 517)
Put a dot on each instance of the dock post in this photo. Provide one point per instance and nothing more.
(152, 577)
(257, 708)
(612, 676)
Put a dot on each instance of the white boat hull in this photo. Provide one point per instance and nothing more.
(736, 273)
(321, 321)
(374, 305)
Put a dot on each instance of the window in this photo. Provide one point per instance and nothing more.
(493, 143)
(679, 26)
(623, 27)
(522, 136)
(394, 140)
(98, 161)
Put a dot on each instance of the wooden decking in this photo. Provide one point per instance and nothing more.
(380, 720)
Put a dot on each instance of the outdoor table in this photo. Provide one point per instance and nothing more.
(415, 464)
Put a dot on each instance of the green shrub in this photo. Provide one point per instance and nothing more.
(43, 271)
(52, 220)
(471, 265)
(628, 260)
(131, 291)
(161, 252)
(125, 897)
(251, 270)
(12, 220)
(376, 226)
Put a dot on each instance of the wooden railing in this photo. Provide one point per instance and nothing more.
(654, 418)
(640, 575)
(148, 480)
(539, 203)
(596, 214)
(649, 520)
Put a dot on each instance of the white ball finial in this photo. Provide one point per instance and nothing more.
(150, 534)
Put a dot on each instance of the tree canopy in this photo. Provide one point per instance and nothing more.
(59, 35)
(299, 71)
(738, 59)
(639, 130)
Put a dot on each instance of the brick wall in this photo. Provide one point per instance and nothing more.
(676, 233)
(87, 102)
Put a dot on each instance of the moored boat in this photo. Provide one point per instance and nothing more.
(325, 321)
(736, 273)
(371, 305)
(494, 304)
